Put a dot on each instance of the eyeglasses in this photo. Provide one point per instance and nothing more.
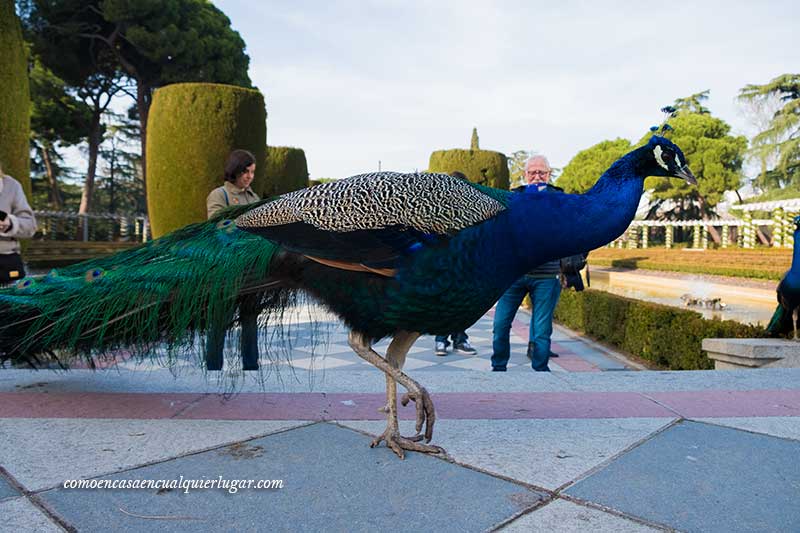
(537, 172)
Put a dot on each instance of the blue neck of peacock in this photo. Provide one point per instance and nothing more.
(580, 222)
(796, 253)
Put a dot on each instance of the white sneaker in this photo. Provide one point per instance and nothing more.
(441, 348)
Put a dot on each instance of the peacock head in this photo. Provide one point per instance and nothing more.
(666, 159)
(797, 222)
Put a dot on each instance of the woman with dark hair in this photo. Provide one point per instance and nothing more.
(240, 169)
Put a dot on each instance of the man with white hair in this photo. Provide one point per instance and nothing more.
(542, 283)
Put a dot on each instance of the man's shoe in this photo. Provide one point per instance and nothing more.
(464, 348)
(553, 354)
(441, 348)
(498, 369)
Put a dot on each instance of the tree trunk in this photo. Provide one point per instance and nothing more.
(94, 140)
(112, 201)
(52, 180)
(143, 107)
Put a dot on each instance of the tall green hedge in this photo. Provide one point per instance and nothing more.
(666, 336)
(287, 171)
(191, 129)
(15, 100)
(473, 163)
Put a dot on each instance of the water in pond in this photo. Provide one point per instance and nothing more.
(743, 304)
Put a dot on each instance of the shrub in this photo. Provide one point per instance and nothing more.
(287, 171)
(475, 164)
(666, 336)
(15, 101)
(192, 127)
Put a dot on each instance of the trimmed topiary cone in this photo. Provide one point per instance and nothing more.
(15, 100)
(475, 164)
(287, 171)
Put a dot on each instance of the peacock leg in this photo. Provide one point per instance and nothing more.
(425, 412)
(795, 314)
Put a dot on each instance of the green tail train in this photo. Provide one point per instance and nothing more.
(164, 291)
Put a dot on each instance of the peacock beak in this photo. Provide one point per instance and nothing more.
(686, 174)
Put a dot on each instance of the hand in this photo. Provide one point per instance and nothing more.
(5, 225)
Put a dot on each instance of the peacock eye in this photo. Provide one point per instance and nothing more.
(93, 274)
(24, 283)
(657, 153)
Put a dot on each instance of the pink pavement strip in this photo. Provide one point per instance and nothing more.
(93, 404)
(570, 361)
(345, 406)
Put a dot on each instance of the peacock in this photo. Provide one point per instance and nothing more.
(786, 314)
(394, 255)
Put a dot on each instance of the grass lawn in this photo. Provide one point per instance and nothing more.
(758, 263)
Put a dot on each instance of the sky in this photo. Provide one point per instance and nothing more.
(355, 83)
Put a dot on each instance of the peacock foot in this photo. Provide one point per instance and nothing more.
(397, 443)
(425, 413)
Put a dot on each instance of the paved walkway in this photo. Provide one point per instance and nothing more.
(590, 446)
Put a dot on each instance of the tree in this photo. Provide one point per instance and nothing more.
(588, 165)
(120, 177)
(782, 135)
(693, 103)
(154, 42)
(714, 156)
(90, 71)
(473, 143)
(57, 119)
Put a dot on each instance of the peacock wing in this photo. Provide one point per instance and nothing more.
(373, 218)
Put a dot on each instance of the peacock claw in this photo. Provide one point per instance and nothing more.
(397, 443)
(425, 412)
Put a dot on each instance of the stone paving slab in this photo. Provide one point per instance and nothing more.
(331, 482)
(6, 489)
(564, 516)
(787, 427)
(702, 477)
(544, 453)
(42, 453)
(20, 515)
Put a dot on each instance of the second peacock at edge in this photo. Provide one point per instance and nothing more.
(393, 255)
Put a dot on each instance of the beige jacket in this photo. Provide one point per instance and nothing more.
(228, 195)
(23, 224)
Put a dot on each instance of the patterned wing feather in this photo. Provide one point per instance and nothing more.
(371, 217)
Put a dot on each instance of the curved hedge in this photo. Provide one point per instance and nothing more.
(15, 100)
(666, 336)
(287, 171)
(191, 129)
(473, 163)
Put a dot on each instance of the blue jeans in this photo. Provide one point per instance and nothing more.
(544, 297)
(458, 338)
